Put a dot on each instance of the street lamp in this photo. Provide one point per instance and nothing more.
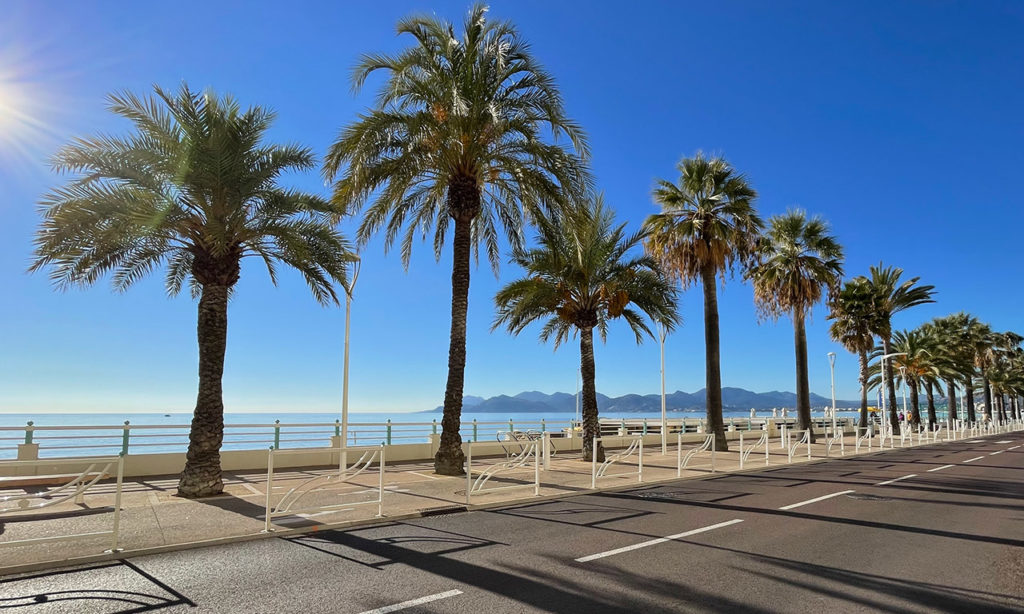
(885, 396)
(832, 368)
(344, 382)
(664, 435)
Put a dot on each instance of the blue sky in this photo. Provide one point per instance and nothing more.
(900, 123)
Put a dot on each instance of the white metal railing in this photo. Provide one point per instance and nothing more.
(804, 440)
(636, 446)
(837, 435)
(745, 452)
(97, 469)
(327, 482)
(860, 439)
(683, 460)
(530, 451)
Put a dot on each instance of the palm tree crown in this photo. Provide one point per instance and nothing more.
(851, 309)
(581, 276)
(195, 188)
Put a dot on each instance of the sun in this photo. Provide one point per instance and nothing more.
(20, 129)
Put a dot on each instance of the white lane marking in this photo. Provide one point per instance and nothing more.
(941, 468)
(906, 477)
(974, 459)
(660, 540)
(1012, 447)
(1004, 441)
(413, 602)
(997, 452)
(815, 500)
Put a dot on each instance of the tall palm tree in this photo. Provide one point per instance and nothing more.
(957, 359)
(582, 275)
(934, 364)
(915, 364)
(850, 310)
(707, 226)
(891, 297)
(195, 188)
(798, 260)
(464, 136)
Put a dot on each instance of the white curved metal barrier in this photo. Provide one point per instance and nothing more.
(746, 451)
(287, 505)
(531, 451)
(805, 440)
(97, 468)
(636, 446)
(837, 435)
(683, 460)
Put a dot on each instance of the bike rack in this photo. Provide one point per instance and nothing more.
(805, 440)
(744, 454)
(636, 446)
(836, 437)
(682, 461)
(531, 450)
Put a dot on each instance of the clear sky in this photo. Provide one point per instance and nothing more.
(900, 122)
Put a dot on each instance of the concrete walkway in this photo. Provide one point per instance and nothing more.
(153, 519)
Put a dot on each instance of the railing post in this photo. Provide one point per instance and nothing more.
(714, 446)
(277, 434)
(433, 426)
(28, 432)
(645, 426)
(337, 428)
(543, 427)
(474, 430)
(741, 450)
(389, 431)
(640, 461)
(469, 472)
(593, 465)
(124, 438)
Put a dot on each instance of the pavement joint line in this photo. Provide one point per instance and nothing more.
(424, 475)
(251, 488)
(887, 482)
(941, 468)
(971, 460)
(413, 602)
(814, 500)
(997, 452)
(654, 542)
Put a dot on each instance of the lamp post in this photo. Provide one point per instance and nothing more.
(885, 396)
(664, 435)
(832, 369)
(344, 381)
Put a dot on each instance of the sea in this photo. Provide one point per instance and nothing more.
(91, 434)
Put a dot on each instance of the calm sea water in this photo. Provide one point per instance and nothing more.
(170, 432)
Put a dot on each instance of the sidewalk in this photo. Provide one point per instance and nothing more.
(154, 519)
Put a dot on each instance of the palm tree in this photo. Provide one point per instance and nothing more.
(457, 140)
(195, 188)
(916, 366)
(581, 276)
(892, 296)
(956, 358)
(797, 261)
(850, 310)
(707, 226)
(933, 364)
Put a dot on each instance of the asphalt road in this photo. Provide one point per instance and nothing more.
(950, 538)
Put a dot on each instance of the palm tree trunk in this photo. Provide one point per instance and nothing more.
(915, 415)
(1016, 407)
(894, 418)
(803, 388)
(712, 358)
(969, 400)
(1001, 402)
(202, 476)
(932, 418)
(463, 206)
(987, 396)
(863, 357)
(591, 426)
(951, 399)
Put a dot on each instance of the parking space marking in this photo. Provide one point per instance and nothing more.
(906, 477)
(815, 500)
(413, 602)
(653, 542)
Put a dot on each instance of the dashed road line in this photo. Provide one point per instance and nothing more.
(941, 468)
(974, 459)
(1012, 447)
(997, 452)
(906, 477)
(815, 500)
(654, 542)
(413, 602)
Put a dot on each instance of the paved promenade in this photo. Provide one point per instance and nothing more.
(153, 517)
(934, 528)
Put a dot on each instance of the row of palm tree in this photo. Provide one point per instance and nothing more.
(468, 134)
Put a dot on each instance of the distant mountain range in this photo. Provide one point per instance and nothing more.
(732, 398)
